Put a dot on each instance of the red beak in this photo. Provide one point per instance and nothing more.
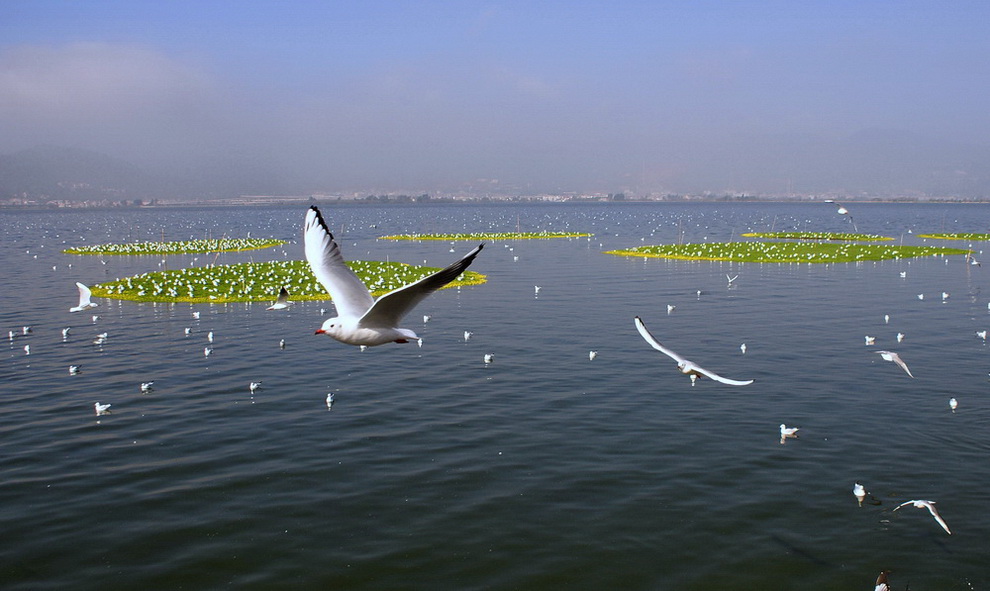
(320, 331)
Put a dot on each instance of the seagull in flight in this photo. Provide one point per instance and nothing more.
(84, 296)
(891, 356)
(930, 505)
(361, 319)
(282, 301)
(686, 367)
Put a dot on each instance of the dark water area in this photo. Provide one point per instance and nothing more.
(542, 470)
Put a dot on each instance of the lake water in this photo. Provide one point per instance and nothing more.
(542, 470)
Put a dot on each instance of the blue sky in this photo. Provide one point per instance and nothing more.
(430, 95)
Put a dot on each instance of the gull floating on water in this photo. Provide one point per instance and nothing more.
(361, 319)
(73, 370)
(207, 351)
(882, 584)
(953, 404)
(982, 334)
(329, 400)
(686, 367)
(489, 358)
(860, 492)
(147, 386)
(900, 337)
(281, 344)
(195, 315)
(870, 340)
(254, 386)
(930, 505)
(282, 301)
(592, 355)
(102, 409)
(670, 308)
(742, 348)
(788, 432)
(84, 296)
(891, 356)
(65, 332)
(467, 335)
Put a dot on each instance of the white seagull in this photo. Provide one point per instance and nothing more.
(592, 355)
(860, 492)
(102, 409)
(686, 367)
(930, 505)
(147, 386)
(891, 356)
(282, 301)
(254, 386)
(361, 319)
(953, 404)
(84, 295)
(786, 432)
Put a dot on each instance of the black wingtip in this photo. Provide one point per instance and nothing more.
(319, 218)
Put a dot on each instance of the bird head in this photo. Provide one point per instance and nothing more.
(331, 327)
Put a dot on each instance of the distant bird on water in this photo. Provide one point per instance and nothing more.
(788, 432)
(953, 404)
(102, 409)
(361, 319)
(84, 299)
(686, 367)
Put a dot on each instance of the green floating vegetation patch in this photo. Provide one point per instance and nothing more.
(785, 252)
(817, 236)
(181, 247)
(260, 282)
(962, 236)
(491, 236)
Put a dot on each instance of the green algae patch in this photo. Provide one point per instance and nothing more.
(489, 236)
(818, 236)
(260, 282)
(180, 247)
(785, 252)
(962, 236)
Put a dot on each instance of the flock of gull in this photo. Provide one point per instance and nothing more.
(365, 321)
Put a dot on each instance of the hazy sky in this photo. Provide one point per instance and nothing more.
(426, 95)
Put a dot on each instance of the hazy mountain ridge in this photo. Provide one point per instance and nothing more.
(874, 162)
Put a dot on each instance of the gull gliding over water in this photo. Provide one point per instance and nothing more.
(84, 295)
(361, 319)
(686, 367)
(891, 356)
(930, 505)
(282, 301)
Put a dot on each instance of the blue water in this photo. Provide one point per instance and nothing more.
(542, 470)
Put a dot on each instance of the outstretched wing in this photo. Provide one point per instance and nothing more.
(389, 309)
(84, 295)
(283, 297)
(718, 378)
(655, 343)
(349, 294)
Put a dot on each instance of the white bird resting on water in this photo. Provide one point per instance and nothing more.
(361, 319)
(891, 356)
(282, 301)
(930, 505)
(84, 295)
(786, 432)
(102, 409)
(147, 386)
(686, 367)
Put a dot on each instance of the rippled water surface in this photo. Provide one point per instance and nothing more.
(542, 470)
